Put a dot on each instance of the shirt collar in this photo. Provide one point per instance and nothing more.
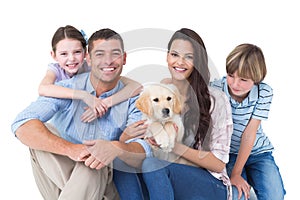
(253, 95)
(91, 90)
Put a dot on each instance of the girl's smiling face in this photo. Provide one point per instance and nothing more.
(70, 55)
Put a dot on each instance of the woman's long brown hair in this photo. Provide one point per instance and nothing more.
(196, 121)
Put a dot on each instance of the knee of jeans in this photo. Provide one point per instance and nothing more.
(252, 195)
(235, 194)
(122, 166)
(148, 164)
(152, 164)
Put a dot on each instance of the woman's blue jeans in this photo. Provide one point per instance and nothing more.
(262, 173)
(169, 181)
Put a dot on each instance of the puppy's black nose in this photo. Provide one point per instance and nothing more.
(166, 111)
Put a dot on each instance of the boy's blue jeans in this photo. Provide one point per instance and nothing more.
(262, 173)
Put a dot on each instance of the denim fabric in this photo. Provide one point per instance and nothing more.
(262, 173)
(127, 181)
(235, 194)
(169, 181)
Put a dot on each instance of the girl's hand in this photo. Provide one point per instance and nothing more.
(96, 108)
(89, 115)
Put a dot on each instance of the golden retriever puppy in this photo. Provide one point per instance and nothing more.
(161, 105)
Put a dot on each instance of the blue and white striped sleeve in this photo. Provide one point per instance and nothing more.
(42, 109)
(264, 101)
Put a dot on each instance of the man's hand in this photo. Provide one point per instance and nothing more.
(101, 153)
(76, 152)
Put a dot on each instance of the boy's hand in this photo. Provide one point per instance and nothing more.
(241, 184)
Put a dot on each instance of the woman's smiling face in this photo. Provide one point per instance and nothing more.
(180, 59)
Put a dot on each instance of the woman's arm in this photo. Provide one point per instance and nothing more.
(204, 159)
(131, 89)
(213, 159)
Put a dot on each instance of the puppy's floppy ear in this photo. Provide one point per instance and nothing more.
(177, 98)
(177, 101)
(143, 103)
(177, 104)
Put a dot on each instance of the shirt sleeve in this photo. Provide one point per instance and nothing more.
(222, 126)
(42, 109)
(58, 71)
(144, 144)
(262, 108)
(53, 67)
(133, 116)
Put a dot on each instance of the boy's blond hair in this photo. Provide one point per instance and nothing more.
(249, 62)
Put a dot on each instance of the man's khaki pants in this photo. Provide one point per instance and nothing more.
(59, 177)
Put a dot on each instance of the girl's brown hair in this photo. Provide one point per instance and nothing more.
(69, 32)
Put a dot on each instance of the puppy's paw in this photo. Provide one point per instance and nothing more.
(167, 147)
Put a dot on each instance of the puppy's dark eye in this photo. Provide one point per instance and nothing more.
(169, 98)
(156, 100)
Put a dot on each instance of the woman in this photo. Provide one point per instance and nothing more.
(208, 128)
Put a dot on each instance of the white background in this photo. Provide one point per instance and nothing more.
(27, 28)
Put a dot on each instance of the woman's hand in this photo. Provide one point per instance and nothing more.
(152, 141)
(135, 130)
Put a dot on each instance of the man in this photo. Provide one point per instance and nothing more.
(72, 159)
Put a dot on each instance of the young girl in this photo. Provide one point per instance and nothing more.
(251, 162)
(69, 50)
